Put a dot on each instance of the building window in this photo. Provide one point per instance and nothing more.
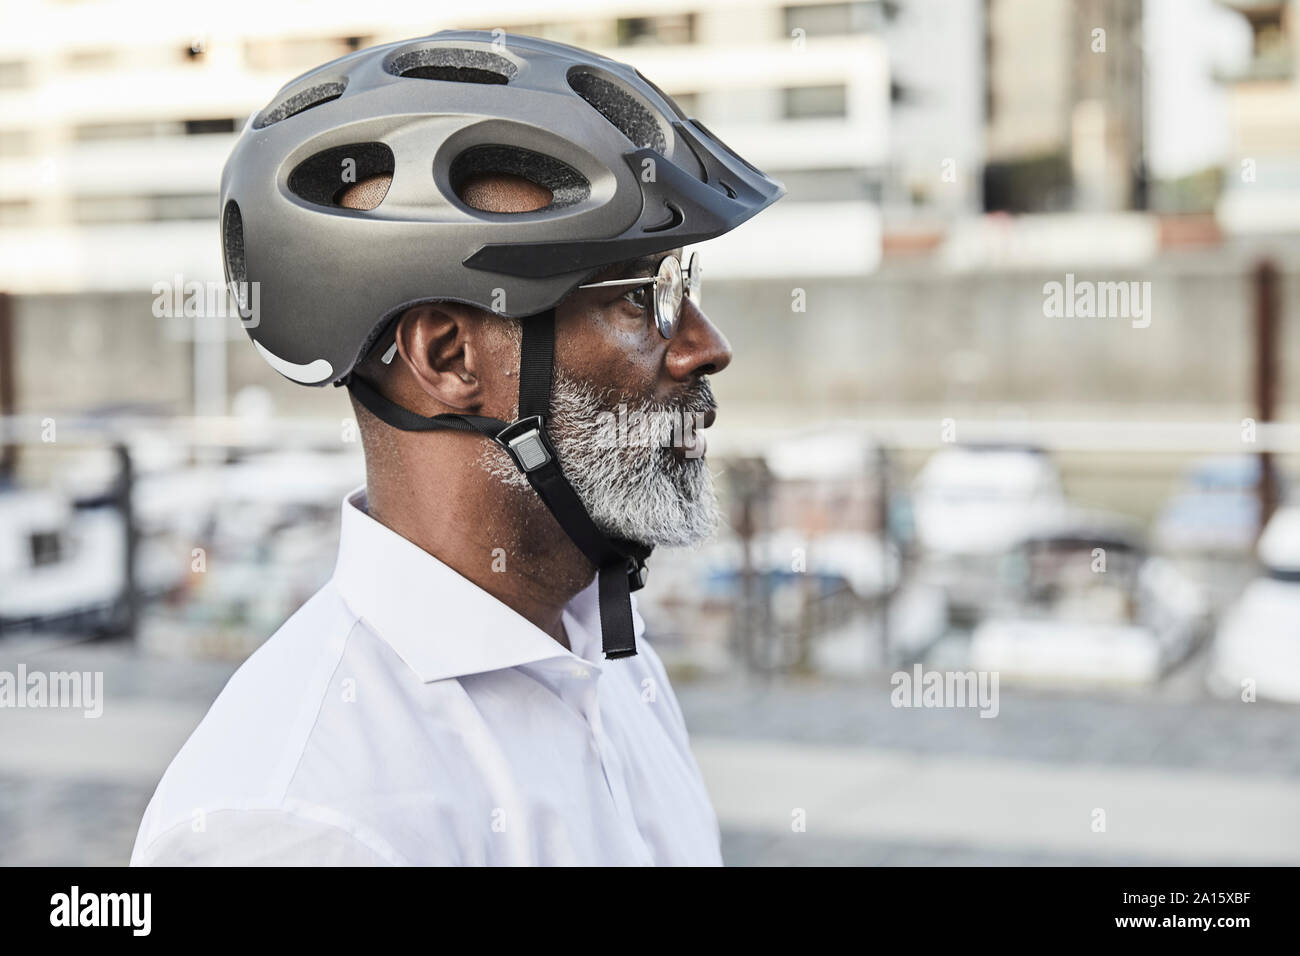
(15, 212)
(15, 142)
(92, 210)
(829, 185)
(815, 102)
(291, 52)
(13, 73)
(1269, 39)
(592, 34)
(668, 30)
(834, 19)
(154, 129)
(142, 129)
(88, 60)
(201, 126)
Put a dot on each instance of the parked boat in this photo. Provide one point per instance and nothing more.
(1257, 647)
(970, 504)
(1082, 602)
(63, 563)
(1215, 509)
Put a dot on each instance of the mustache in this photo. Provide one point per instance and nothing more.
(698, 398)
(694, 398)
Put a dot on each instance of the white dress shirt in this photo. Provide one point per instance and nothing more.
(405, 716)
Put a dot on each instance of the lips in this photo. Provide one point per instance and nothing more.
(700, 420)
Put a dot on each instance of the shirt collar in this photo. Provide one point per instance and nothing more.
(440, 623)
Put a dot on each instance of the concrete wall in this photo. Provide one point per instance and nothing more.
(898, 342)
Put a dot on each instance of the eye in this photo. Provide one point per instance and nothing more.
(639, 297)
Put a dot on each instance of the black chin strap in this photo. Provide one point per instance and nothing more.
(620, 564)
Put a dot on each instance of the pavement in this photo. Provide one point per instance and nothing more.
(802, 772)
(73, 789)
(1178, 779)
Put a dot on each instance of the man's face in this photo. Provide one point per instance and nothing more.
(626, 409)
(626, 403)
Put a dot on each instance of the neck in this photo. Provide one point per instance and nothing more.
(499, 537)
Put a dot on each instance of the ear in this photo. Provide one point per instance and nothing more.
(440, 344)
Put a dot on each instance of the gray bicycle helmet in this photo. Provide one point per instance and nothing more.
(629, 175)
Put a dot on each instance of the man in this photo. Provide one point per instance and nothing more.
(482, 241)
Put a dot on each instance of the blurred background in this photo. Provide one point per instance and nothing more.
(925, 466)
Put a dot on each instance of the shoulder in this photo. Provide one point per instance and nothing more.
(244, 753)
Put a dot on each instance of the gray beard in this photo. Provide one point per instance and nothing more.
(636, 489)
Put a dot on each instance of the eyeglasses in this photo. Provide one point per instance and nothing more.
(671, 283)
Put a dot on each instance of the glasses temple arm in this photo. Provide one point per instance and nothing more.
(645, 280)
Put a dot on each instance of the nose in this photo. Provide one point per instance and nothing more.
(698, 348)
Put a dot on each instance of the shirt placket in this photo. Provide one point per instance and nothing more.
(586, 698)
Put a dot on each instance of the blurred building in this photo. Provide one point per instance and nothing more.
(1072, 136)
(118, 116)
(936, 117)
(944, 159)
(1262, 182)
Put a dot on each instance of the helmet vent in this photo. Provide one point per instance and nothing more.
(624, 111)
(673, 220)
(453, 65)
(232, 244)
(298, 102)
(566, 185)
(326, 176)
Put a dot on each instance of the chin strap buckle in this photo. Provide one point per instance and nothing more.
(636, 573)
(526, 442)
